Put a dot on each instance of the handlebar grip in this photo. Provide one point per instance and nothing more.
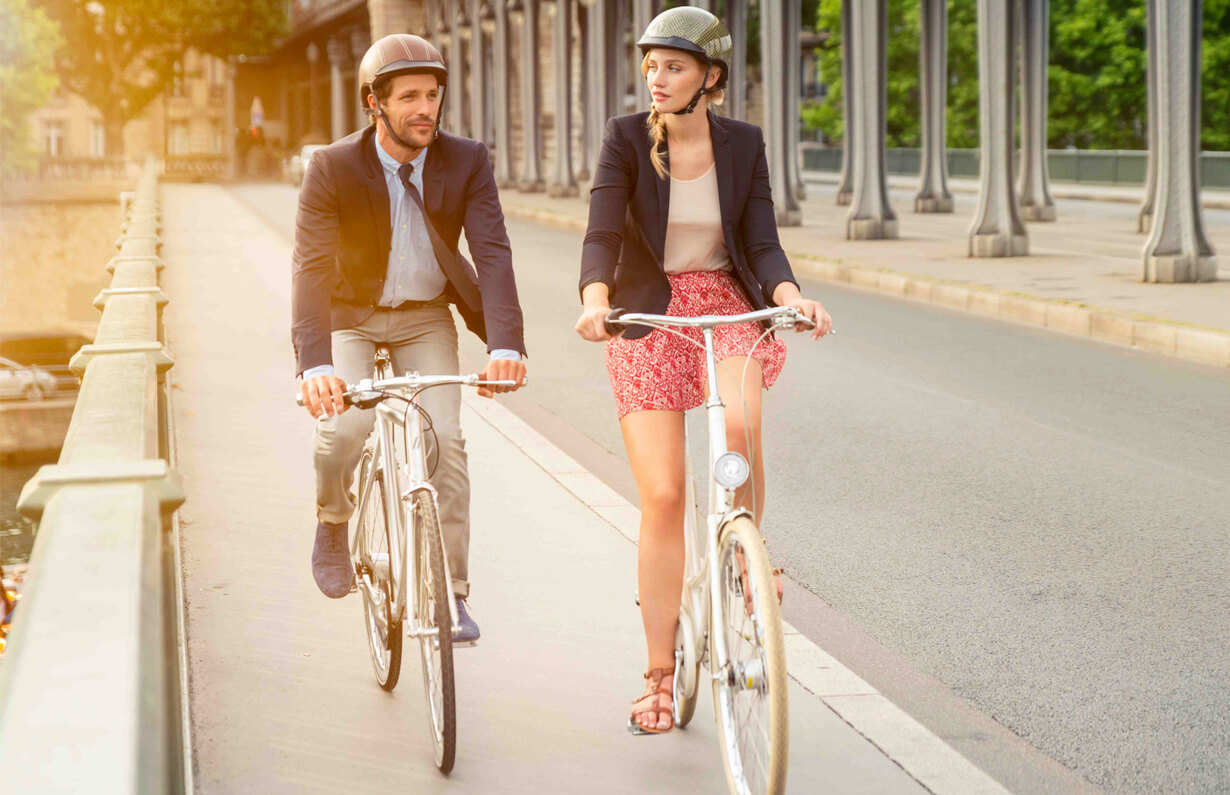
(346, 398)
(609, 322)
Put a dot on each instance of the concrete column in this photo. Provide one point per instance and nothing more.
(933, 195)
(736, 89)
(454, 99)
(478, 73)
(621, 69)
(504, 174)
(1033, 186)
(231, 123)
(337, 51)
(871, 216)
(585, 58)
(794, 62)
(642, 13)
(777, 139)
(316, 127)
(531, 150)
(393, 16)
(562, 182)
(1177, 250)
(358, 48)
(599, 43)
(1144, 220)
(997, 230)
(845, 185)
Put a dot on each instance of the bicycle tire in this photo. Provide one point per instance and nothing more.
(436, 651)
(750, 702)
(384, 635)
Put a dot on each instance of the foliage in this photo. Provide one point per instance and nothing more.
(1096, 74)
(121, 54)
(28, 40)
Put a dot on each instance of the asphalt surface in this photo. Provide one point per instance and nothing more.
(1035, 524)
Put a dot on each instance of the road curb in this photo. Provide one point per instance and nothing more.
(917, 750)
(1154, 335)
(1058, 190)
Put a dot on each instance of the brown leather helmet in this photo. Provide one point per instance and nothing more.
(397, 54)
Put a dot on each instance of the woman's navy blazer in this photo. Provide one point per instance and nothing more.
(629, 206)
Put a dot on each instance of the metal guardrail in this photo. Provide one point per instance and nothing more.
(91, 686)
(1091, 166)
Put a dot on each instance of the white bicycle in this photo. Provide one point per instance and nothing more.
(729, 617)
(398, 531)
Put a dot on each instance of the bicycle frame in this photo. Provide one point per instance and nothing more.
(401, 483)
(697, 614)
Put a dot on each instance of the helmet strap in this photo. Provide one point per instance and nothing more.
(700, 92)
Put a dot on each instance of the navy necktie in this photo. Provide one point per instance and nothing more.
(457, 274)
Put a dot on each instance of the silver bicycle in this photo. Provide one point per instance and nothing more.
(729, 616)
(400, 567)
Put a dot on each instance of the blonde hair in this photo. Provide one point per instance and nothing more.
(657, 122)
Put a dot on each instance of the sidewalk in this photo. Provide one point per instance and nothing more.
(1081, 277)
(282, 695)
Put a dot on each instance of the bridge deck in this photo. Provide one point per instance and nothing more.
(282, 696)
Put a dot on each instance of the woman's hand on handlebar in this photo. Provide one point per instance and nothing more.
(322, 396)
(596, 298)
(592, 323)
(787, 294)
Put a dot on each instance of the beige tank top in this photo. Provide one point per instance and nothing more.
(694, 240)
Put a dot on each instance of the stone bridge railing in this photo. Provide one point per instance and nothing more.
(92, 685)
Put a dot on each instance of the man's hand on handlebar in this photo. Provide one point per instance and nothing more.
(322, 396)
(502, 370)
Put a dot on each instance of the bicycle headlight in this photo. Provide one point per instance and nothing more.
(731, 470)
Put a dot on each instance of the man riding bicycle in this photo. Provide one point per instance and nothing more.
(376, 263)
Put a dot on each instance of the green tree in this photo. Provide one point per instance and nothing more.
(28, 40)
(1215, 107)
(1096, 74)
(121, 54)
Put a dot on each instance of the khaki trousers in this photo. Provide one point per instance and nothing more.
(420, 340)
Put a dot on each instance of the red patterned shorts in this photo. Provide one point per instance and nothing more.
(662, 371)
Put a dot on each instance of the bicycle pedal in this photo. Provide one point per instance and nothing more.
(464, 644)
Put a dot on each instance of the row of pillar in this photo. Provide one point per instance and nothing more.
(1012, 51)
(604, 73)
(1012, 35)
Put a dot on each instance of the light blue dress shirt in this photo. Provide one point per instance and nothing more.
(413, 272)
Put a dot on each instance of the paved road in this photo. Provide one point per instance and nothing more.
(1029, 523)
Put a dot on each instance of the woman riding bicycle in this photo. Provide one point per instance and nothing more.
(681, 222)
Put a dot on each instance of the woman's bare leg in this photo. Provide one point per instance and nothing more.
(654, 440)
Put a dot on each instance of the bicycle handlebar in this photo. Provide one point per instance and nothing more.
(415, 382)
(779, 315)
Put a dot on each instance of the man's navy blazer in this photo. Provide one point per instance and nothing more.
(629, 206)
(343, 234)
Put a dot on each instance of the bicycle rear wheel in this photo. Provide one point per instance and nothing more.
(377, 577)
(436, 648)
(749, 694)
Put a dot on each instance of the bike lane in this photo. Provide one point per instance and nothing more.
(282, 695)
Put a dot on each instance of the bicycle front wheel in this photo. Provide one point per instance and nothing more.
(749, 692)
(435, 624)
(377, 574)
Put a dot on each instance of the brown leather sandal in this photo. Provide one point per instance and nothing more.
(653, 690)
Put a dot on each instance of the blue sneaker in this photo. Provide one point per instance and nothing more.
(331, 566)
(469, 630)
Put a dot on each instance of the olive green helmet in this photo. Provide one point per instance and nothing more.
(693, 30)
